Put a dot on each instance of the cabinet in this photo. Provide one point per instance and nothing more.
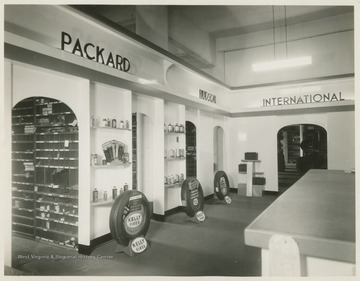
(45, 171)
(250, 174)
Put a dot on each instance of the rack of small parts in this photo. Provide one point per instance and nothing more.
(45, 171)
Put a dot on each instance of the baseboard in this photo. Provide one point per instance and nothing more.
(87, 250)
(211, 196)
(268, 192)
(157, 217)
(233, 190)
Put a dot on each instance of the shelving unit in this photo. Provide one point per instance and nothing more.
(108, 103)
(45, 171)
(174, 154)
(250, 174)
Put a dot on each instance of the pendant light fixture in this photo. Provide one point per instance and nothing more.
(285, 63)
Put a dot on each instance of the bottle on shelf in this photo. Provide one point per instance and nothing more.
(92, 122)
(170, 128)
(176, 128)
(105, 195)
(114, 193)
(113, 123)
(95, 195)
(126, 187)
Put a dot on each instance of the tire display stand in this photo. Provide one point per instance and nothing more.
(222, 187)
(129, 222)
(192, 198)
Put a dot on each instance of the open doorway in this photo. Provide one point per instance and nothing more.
(301, 147)
(218, 149)
(190, 149)
(142, 127)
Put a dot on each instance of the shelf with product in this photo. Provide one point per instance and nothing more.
(45, 170)
(174, 154)
(110, 152)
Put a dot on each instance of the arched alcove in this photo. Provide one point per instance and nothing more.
(191, 161)
(45, 165)
(218, 148)
(300, 147)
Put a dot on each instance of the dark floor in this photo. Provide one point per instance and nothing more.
(178, 247)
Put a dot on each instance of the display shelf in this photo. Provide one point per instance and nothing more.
(110, 128)
(250, 173)
(177, 184)
(111, 165)
(54, 114)
(56, 141)
(174, 158)
(68, 214)
(57, 221)
(57, 195)
(57, 203)
(102, 202)
(173, 133)
(22, 217)
(53, 241)
(22, 123)
(22, 198)
(22, 209)
(22, 224)
(56, 231)
(22, 233)
(57, 167)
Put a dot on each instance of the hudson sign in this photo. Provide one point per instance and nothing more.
(94, 52)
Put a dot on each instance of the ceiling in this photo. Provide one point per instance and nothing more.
(217, 22)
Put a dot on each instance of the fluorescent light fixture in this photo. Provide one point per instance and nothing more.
(279, 64)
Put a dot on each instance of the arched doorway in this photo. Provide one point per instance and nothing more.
(191, 162)
(300, 147)
(45, 164)
(218, 149)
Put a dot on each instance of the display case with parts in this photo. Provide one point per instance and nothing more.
(47, 209)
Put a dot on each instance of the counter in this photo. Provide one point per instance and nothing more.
(318, 213)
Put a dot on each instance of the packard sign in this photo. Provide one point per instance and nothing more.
(93, 52)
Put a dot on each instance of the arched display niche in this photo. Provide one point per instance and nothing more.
(191, 162)
(300, 147)
(144, 148)
(218, 148)
(45, 165)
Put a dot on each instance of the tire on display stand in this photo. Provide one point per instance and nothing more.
(192, 198)
(222, 186)
(129, 222)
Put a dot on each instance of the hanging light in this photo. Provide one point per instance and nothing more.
(280, 64)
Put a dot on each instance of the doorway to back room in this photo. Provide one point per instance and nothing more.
(301, 147)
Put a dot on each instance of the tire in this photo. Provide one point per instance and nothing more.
(192, 204)
(220, 190)
(121, 216)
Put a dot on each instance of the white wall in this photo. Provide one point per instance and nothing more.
(259, 134)
(29, 81)
(154, 109)
(205, 124)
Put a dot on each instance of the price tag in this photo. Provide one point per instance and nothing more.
(66, 143)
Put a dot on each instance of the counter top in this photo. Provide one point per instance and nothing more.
(318, 211)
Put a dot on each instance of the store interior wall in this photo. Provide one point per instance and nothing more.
(259, 134)
(153, 108)
(30, 81)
